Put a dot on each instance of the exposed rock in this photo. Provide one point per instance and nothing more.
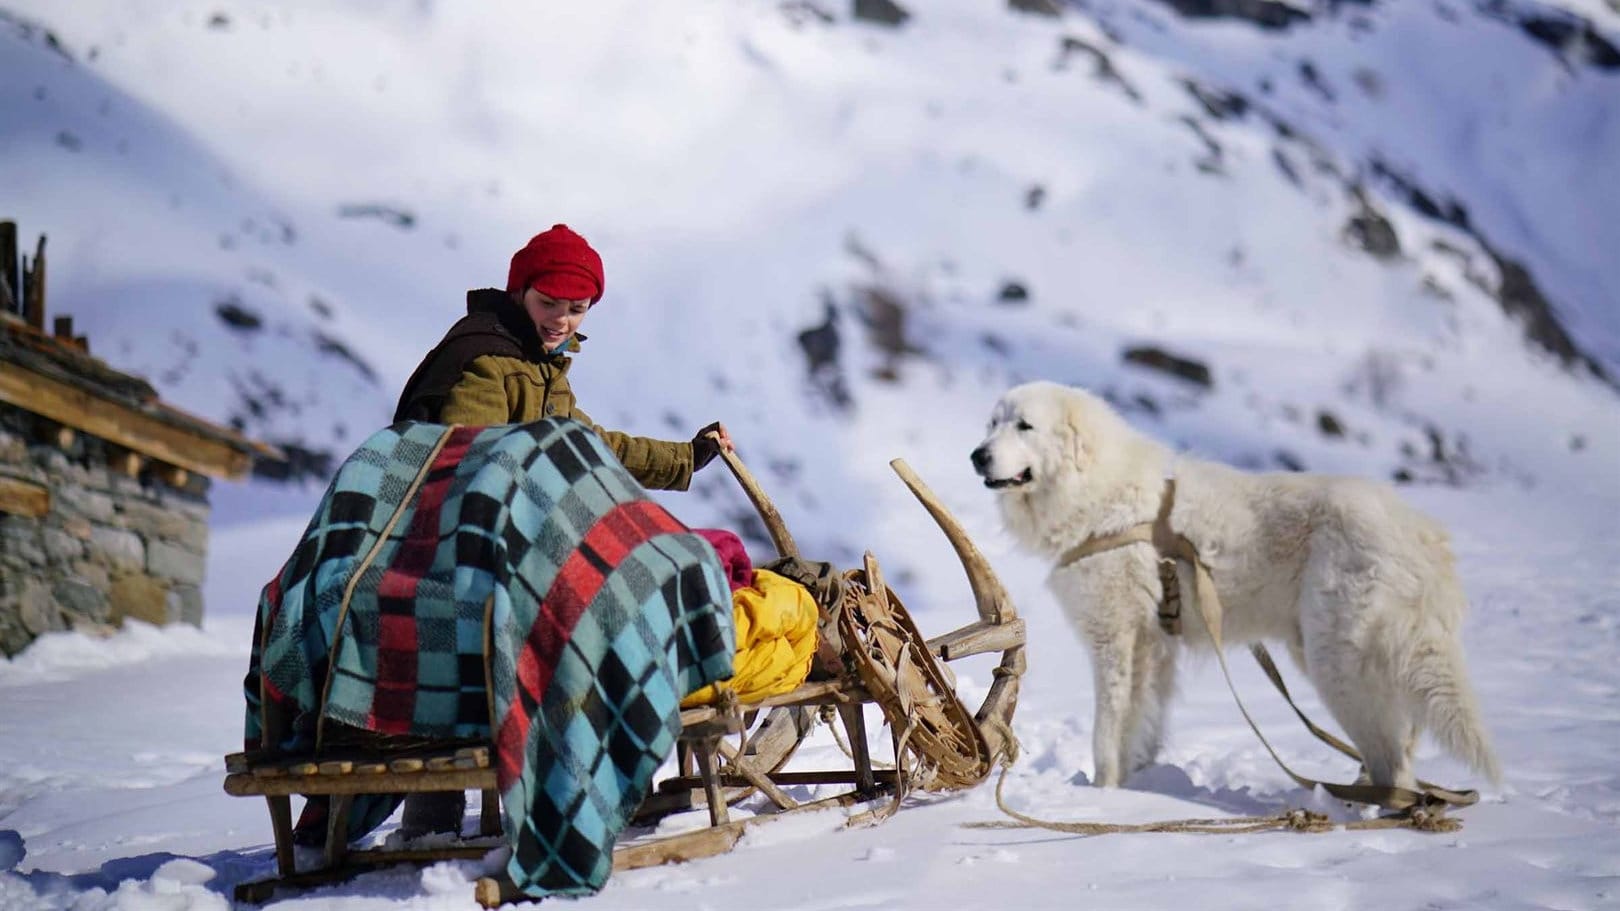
(1312, 77)
(1217, 103)
(334, 347)
(881, 12)
(1516, 289)
(139, 597)
(1155, 358)
(1522, 299)
(118, 549)
(1370, 231)
(1268, 14)
(1572, 37)
(1328, 424)
(1013, 292)
(1050, 8)
(60, 546)
(166, 561)
(821, 345)
(1102, 66)
(399, 218)
(798, 12)
(36, 609)
(237, 316)
(29, 30)
(185, 605)
(1214, 159)
(20, 540)
(80, 599)
(883, 312)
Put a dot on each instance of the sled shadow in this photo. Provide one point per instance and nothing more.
(230, 868)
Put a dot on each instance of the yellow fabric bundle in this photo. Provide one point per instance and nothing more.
(776, 638)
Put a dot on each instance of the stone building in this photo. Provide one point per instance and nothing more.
(103, 488)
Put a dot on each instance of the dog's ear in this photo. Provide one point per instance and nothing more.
(1076, 441)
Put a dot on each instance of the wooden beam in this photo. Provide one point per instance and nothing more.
(977, 638)
(33, 295)
(390, 782)
(55, 433)
(174, 476)
(24, 498)
(115, 423)
(10, 292)
(127, 462)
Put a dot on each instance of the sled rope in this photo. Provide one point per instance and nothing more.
(1291, 820)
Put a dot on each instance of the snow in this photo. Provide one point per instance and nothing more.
(741, 170)
(114, 814)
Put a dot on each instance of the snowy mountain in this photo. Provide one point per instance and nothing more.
(1379, 227)
(1361, 237)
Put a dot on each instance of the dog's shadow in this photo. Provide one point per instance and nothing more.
(1173, 781)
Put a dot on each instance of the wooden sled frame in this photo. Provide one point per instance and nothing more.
(868, 651)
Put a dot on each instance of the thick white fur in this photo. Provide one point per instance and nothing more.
(1359, 586)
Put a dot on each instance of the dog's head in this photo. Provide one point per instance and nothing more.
(1038, 432)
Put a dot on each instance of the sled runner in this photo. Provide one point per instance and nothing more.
(868, 650)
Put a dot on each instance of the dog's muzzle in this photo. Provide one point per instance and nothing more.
(1017, 480)
(981, 464)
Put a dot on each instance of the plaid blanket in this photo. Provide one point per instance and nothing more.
(603, 611)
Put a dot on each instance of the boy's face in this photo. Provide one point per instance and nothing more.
(554, 318)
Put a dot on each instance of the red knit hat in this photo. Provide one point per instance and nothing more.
(559, 263)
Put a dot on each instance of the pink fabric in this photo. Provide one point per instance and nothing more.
(739, 569)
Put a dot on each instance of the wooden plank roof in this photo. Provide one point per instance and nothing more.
(58, 380)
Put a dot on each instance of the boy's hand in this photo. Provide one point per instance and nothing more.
(706, 447)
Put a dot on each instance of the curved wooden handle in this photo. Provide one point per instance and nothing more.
(780, 536)
(998, 627)
(988, 595)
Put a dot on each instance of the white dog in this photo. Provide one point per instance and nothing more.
(1357, 584)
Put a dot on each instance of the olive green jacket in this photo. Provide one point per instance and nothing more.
(490, 368)
(508, 390)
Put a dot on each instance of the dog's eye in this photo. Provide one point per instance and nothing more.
(1024, 425)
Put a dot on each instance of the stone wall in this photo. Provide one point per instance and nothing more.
(111, 547)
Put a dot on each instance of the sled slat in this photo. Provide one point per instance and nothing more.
(978, 638)
(822, 691)
(384, 783)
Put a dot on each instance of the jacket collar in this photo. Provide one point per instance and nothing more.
(516, 323)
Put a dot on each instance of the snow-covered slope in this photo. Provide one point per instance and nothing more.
(272, 211)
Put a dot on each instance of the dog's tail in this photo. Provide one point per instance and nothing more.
(1438, 676)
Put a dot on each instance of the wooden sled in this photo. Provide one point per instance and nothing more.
(869, 651)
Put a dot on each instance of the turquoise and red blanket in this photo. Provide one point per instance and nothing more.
(603, 611)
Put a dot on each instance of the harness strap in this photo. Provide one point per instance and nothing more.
(1164, 540)
(1172, 547)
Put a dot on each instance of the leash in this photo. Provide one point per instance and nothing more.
(1298, 820)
